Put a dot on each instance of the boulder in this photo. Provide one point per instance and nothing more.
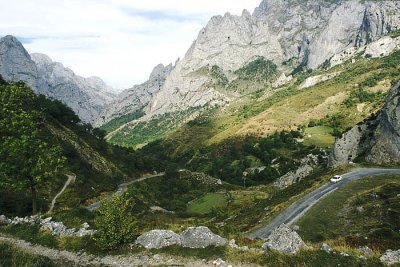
(391, 257)
(4, 220)
(285, 240)
(367, 252)
(325, 247)
(201, 237)
(158, 239)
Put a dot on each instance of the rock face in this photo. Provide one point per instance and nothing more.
(300, 32)
(86, 96)
(157, 239)
(285, 240)
(137, 97)
(391, 257)
(201, 237)
(378, 139)
(307, 166)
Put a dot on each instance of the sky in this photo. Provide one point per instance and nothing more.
(119, 41)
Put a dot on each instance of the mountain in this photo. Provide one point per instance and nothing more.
(377, 140)
(86, 96)
(136, 98)
(234, 56)
(289, 33)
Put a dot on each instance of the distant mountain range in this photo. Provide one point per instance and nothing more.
(284, 36)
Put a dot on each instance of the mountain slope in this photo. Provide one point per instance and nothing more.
(86, 96)
(223, 64)
(136, 98)
(98, 166)
(289, 33)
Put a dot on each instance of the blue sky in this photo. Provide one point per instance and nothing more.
(120, 40)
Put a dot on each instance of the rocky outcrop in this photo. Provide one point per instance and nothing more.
(201, 237)
(311, 81)
(307, 166)
(86, 96)
(391, 257)
(193, 237)
(285, 240)
(136, 98)
(377, 139)
(56, 228)
(157, 239)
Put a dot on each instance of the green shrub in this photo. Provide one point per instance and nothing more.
(116, 222)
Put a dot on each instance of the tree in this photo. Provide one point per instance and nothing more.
(26, 159)
(116, 222)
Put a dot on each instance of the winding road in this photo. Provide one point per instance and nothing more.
(122, 188)
(71, 178)
(297, 209)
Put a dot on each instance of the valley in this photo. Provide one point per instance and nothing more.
(223, 158)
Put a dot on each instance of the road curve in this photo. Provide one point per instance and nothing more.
(297, 209)
(122, 188)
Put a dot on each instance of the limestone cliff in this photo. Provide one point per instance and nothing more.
(289, 33)
(377, 139)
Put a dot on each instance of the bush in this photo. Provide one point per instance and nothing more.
(116, 222)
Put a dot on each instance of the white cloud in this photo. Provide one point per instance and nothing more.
(120, 40)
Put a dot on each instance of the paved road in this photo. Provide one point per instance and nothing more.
(297, 209)
(122, 188)
(71, 178)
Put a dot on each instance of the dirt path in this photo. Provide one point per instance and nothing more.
(66, 258)
(122, 188)
(71, 178)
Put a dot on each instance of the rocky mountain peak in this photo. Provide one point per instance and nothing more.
(160, 72)
(16, 63)
(87, 97)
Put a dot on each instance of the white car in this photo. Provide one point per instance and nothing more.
(336, 178)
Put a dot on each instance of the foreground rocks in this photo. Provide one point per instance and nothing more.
(391, 257)
(157, 239)
(285, 240)
(193, 237)
(56, 228)
(201, 237)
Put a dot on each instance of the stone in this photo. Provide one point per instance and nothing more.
(367, 252)
(4, 220)
(325, 247)
(232, 244)
(391, 257)
(219, 262)
(284, 240)
(157, 239)
(201, 237)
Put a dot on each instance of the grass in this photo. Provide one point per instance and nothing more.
(208, 203)
(320, 136)
(352, 213)
(11, 256)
